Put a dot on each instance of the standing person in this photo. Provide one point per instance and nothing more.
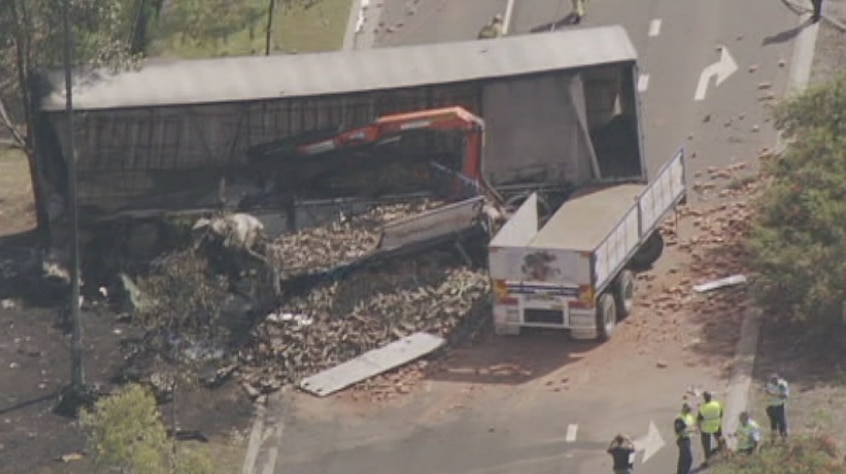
(578, 10)
(493, 29)
(817, 10)
(621, 450)
(777, 392)
(748, 434)
(710, 422)
(684, 426)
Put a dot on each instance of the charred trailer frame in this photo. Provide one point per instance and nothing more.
(562, 110)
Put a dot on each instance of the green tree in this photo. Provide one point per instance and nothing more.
(802, 455)
(798, 243)
(125, 432)
(31, 41)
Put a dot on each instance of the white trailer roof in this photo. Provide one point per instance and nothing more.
(584, 221)
(236, 79)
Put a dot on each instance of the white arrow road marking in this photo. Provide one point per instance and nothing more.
(650, 444)
(571, 433)
(722, 69)
(655, 27)
(643, 83)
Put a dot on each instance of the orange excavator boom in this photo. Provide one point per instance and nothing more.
(388, 126)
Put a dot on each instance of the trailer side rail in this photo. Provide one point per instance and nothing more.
(661, 196)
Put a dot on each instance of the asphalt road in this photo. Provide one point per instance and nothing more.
(526, 429)
(757, 33)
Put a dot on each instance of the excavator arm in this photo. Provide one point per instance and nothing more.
(392, 126)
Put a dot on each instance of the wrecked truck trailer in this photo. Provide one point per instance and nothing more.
(576, 270)
(172, 137)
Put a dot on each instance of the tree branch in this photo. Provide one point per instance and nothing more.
(6, 122)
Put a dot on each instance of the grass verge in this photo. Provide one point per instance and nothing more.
(16, 202)
(312, 27)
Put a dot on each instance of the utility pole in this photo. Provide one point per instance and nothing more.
(77, 372)
(271, 12)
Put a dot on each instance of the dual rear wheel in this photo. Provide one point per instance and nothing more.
(614, 304)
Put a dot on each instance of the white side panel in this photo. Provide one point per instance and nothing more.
(521, 227)
(613, 252)
(663, 193)
(504, 262)
(538, 266)
(439, 222)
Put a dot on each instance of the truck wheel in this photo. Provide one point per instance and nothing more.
(650, 251)
(624, 293)
(606, 317)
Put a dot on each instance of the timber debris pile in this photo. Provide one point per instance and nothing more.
(341, 242)
(325, 311)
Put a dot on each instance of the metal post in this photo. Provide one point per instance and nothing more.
(271, 12)
(77, 372)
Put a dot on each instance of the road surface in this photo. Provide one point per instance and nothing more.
(542, 425)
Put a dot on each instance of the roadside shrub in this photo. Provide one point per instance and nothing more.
(125, 434)
(125, 431)
(799, 241)
(816, 454)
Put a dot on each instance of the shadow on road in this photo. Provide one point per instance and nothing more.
(569, 20)
(785, 35)
(27, 403)
(510, 360)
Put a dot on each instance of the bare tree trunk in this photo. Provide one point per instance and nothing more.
(22, 55)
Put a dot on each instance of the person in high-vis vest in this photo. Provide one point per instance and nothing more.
(578, 10)
(748, 434)
(777, 394)
(492, 29)
(684, 426)
(710, 422)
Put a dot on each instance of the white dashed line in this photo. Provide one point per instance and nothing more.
(655, 27)
(571, 433)
(643, 83)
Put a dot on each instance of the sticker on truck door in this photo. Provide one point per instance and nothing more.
(538, 266)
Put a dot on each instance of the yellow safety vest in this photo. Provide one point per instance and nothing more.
(689, 422)
(774, 389)
(711, 416)
(490, 31)
(746, 435)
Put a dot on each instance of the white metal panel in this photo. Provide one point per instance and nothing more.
(613, 252)
(443, 221)
(504, 262)
(521, 227)
(372, 363)
(235, 79)
(660, 196)
(540, 267)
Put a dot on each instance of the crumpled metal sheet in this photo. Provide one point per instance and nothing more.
(372, 363)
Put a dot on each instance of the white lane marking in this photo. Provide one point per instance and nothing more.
(655, 27)
(721, 70)
(643, 83)
(571, 433)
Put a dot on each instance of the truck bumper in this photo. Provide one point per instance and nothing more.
(583, 324)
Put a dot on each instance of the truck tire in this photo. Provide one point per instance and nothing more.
(650, 251)
(606, 317)
(624, 288)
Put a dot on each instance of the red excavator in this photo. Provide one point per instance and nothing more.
(307, 162)
(291, 154)
(390, 126)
